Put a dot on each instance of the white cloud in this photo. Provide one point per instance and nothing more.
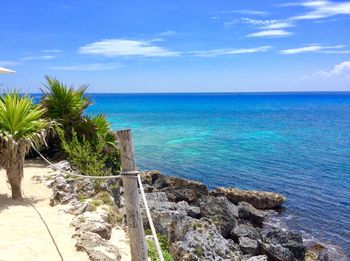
(315, 48)
(123, 47)
(279, 25)
(339, 70)
(217, 52)
(270, 33)
(87, 67)
(323, 9)
(9, 63)
(258, 22)
(268, 24)
(337, 77)
(42, 57)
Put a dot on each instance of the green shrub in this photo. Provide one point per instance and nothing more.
(153, 254)
(82, 155)
(66, 105)
(164, 245)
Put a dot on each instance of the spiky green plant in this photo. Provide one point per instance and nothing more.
(21, 126)
(64, 104)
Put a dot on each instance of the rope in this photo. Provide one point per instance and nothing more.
(154, 233)
(123, 174)
(47, 228)
(42, 219)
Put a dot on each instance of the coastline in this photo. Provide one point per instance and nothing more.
(174, 203)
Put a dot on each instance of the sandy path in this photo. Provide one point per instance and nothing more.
(23, 235)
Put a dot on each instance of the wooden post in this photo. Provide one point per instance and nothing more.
(132, 204)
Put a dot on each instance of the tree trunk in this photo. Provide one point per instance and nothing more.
(14, 171)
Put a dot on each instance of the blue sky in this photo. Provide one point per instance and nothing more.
(177, 46)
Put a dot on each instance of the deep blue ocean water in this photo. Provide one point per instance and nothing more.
(297, 144)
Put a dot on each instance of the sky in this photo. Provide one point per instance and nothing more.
(177, 46)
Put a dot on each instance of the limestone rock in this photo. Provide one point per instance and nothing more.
(37, 178)
(258, 199)
(203, 241)
(96, 247)
(317, 252)
(62, 165)
(165, 214)
(95, 222)
(257, 258)
(199, 188)
(245, 230)
(283, 245)
(277, 252)
(76, 207)
(149, 177)
(180, 194)
(248, 245)
(84, 187)
(250, 213)
(220, 211)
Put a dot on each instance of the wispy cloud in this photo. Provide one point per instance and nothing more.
(231, 22)
(167, 33)
(268, 24)
(270, 33)
(41, 57)
(9, 63)
(315, 48)
(86, 67)
(52, 51)
(244, 12)
(322, 9)
(269, 28)
(217, 52)
(123, 47)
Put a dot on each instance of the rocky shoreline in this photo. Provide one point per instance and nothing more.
(220, 224)
(199, 224)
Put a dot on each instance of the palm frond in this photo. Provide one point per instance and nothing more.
(21, 120)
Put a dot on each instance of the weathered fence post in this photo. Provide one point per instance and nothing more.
(132, 203)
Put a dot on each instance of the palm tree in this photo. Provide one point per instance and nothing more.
(21, 127)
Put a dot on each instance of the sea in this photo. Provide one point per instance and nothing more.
(296, 144)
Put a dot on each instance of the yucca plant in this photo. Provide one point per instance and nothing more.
(64, 104)
(102, 130)
(22, 126)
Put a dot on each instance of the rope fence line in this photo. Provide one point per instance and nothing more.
(122, 174)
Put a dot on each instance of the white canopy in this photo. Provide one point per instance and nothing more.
(4, 70)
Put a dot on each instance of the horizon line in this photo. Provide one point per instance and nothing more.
(234, 92)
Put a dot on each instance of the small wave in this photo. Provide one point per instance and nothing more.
(277, 220)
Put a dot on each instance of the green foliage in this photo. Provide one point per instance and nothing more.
(105, 198)
(21, 119)
(198, 251)
(64, 104)
(164, 245)
(88, 159)
(93, 135)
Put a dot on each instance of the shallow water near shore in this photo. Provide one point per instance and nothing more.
(297, 144)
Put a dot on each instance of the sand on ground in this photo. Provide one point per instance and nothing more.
(23, 234)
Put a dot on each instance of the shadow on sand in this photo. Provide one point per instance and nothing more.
(6, 201)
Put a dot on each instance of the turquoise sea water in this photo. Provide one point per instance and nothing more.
(297, 144)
